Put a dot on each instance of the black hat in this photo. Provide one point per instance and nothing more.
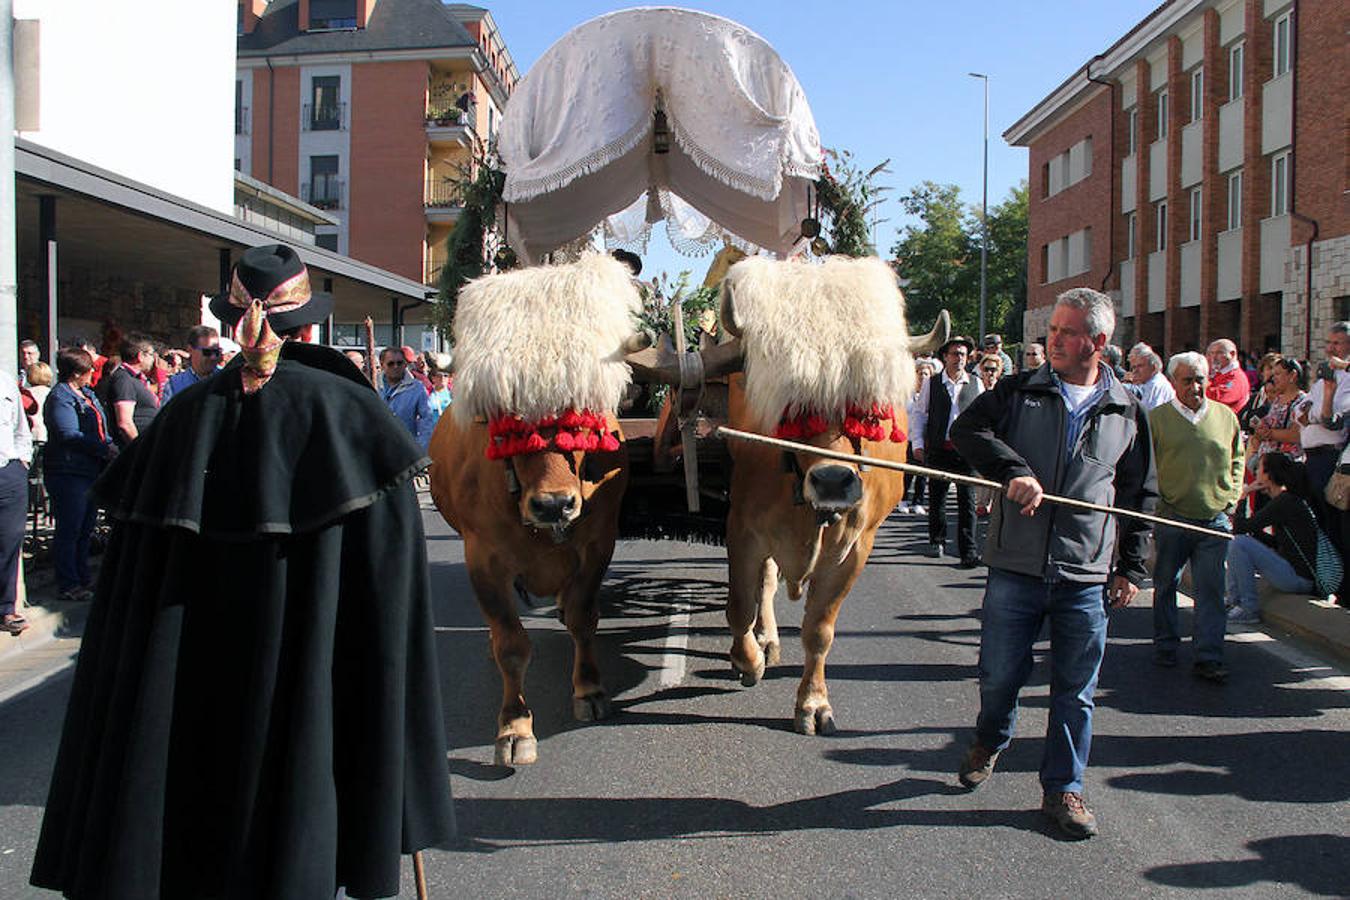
(275, 276)
(956, 339)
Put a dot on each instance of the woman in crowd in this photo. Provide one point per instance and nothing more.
(1286, 559)
(39, 376)
(1274, 425)
(78, 447)
(916, 486)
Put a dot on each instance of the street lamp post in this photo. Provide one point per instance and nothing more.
(984, 209)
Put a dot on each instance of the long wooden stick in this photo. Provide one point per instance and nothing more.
(736, 434)
(420, 876)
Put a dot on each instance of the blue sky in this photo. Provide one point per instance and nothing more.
(888, 79)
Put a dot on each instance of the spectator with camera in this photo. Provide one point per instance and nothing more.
(203, 361)
(1322, 416)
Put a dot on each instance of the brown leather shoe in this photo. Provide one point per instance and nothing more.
(1070, 814)
(977, 766)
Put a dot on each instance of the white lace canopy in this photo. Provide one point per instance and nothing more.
(576, 139)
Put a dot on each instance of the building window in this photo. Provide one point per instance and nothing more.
(1131, 235)
(1045, 180)
(326, 241)
(1160, 225)
(1162, 114)
(325, 109)
(1235, 200)
(1197, 94)
(1235, 62)
(1132, 118)
(1195, 214)
(1279, 184)
(331, 15)
(1283, 41)
(1045, 263)
(325, 188)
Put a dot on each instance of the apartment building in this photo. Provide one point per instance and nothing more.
(1198, 170)
(369, 110)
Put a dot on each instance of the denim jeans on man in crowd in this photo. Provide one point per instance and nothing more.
(1176, 547)
(75, 516)
(1015, 606)
(1246, 557)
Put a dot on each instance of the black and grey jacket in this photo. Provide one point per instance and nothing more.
(1019, 428)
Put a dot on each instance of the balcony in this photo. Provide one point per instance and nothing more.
(241, 121)
(432, 270)
(447, 124)
(323, 193)
(324, 117)
(442, 200)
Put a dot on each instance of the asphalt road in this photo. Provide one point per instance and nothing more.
(697, 787)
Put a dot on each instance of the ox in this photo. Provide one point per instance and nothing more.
(530, 468)
(827, 362)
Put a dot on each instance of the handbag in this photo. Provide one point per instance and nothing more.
(1338, 488)
(1327, 569)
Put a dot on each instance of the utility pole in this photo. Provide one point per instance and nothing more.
(984, 212)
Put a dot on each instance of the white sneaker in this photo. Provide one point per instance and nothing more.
(904, 508)
(919, 509)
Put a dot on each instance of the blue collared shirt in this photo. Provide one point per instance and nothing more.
(1080, 407)
(182, 381)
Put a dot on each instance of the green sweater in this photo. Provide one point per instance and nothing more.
(1199, 466)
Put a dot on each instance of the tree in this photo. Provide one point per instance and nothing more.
(848, 196)
(939, 259)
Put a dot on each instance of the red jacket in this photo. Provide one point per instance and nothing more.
(1230, 388)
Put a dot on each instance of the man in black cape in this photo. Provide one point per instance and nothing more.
(256, 711)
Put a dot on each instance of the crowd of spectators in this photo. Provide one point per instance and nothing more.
(1290, 418)
(66, 426)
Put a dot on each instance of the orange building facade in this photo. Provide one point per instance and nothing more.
(1192, 169)
(371, 110)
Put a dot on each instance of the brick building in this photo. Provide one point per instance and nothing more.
(370, 110)
(1189, 169)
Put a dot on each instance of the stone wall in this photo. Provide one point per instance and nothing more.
(1330, 281)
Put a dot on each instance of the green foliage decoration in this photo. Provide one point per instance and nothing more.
(848, 198)
(479, 189)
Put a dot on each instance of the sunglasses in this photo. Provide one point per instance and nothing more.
(989, 371)
(209, 351)
(395, 362)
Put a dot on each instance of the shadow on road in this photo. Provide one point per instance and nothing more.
(1296, 859)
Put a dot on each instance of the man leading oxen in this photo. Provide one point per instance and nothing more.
(530, 468)
(827, 363)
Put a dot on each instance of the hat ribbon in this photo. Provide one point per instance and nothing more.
(292, 293)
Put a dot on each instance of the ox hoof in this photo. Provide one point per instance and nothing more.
(814, 721)
(773, 653)
(749, 677)
(514, 750)
(591, 708)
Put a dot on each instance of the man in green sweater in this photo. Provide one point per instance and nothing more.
(1197, 445)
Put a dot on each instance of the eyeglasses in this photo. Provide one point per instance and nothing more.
(209, 351)
(989, 371)
(395, 363)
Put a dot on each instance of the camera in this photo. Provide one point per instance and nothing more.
(1325, 372)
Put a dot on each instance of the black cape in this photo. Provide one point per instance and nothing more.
(256, 710)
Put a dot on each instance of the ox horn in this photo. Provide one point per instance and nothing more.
(661, 365)
(440, 362)
(942, 329)
(635, 343)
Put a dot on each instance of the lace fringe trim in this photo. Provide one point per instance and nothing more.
(520, 191)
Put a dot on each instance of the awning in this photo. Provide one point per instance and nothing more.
(128, 230)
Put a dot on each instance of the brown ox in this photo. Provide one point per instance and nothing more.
(536, 343)
(819, 339)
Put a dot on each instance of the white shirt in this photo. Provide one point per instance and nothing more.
(1315, 434)
(1154, 392)
(1194, 417)
(919, 419)
(15, 440)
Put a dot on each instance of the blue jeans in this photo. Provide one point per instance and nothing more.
(1246, 557)
(1176, 547)
(1015, 606)
(75, 517)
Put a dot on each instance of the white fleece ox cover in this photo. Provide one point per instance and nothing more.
(539, 341)
(819, 338)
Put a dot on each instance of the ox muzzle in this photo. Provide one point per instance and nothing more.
(832, 489)
(554, 512)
